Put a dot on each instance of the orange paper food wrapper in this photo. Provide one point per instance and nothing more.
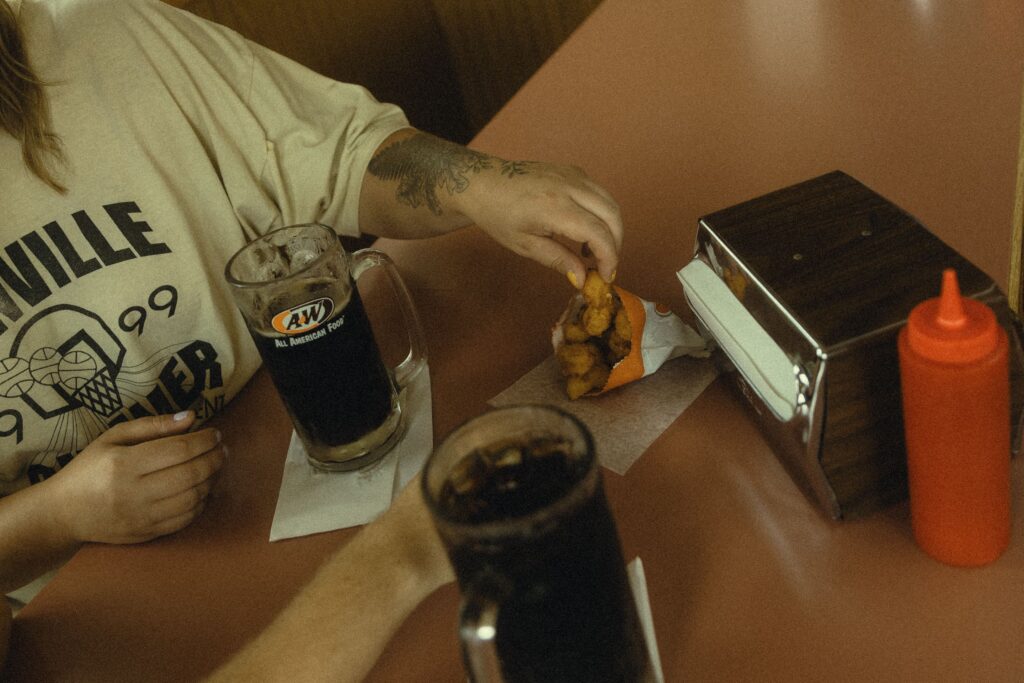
(656, 336)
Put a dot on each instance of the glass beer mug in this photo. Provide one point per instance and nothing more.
(517, 498)
(295, 287)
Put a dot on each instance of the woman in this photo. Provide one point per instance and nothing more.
(143, 147)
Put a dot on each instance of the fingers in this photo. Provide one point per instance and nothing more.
(189, 500)
(605, 248)
(535, 210)
(139, 479)
(592, 219)
(148, 428)
(167, 516)
(556, 256)
(602, 228)
(600, 203)
(175, 450)
(178, 493)
(581, 225)
(175, 523)
(180, 477)
(597, 225)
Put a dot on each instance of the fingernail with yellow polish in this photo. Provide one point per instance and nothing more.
(572, 279)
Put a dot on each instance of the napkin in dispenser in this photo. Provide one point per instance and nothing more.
(803, 292)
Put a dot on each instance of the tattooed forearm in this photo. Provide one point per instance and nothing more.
(423, 165)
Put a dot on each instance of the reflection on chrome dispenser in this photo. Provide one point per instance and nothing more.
(803, 292)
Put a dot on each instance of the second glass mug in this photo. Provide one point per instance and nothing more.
(517, 498)
(295, 287)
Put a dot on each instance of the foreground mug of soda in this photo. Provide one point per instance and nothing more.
(517, 498)
(295, 287)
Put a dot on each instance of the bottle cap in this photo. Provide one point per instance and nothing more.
(951, 328)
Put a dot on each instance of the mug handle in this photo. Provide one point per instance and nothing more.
(408, 369)
(478, 631)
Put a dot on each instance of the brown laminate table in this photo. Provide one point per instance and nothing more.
(679, 107)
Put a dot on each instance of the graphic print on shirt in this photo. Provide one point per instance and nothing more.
(76, 372)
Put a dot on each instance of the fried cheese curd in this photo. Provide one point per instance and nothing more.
(596, 337)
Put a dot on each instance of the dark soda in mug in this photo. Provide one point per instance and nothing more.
(330, 376)
(527, 527)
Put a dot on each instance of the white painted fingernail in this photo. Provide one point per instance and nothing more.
(178, 417)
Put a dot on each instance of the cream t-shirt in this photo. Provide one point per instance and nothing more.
(184, 141)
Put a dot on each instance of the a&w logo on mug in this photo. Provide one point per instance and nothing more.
(304, 317)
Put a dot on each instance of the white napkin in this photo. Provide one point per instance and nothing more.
(624, 421)
(750, 347)
(312, 500)
(638, 583)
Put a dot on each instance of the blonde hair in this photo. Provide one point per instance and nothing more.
(24, 112)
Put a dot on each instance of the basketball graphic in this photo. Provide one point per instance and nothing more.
(73, 358)
(44, 366)
(75, 369)
(15, 377)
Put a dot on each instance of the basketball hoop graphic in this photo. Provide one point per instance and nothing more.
(90, 383)
(81, 371)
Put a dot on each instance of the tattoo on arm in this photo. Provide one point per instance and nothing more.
(424, 164)
(514, 168)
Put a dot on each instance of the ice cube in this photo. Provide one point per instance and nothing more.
(301, 259)
(267, 271)
(301, 251)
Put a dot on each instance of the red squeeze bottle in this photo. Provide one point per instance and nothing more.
(954, 376)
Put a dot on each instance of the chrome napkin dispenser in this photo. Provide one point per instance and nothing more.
(803, 292)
